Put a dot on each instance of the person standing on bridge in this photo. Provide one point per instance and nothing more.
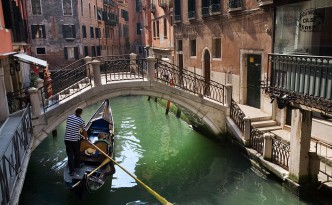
(75, 125)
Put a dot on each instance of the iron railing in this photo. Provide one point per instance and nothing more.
(13, 153)
(189, 81)
(123, 69)
(18, 100)
(324, 152)
(237, 115)
(69, 84)
(205, 11)
(215, 8)
(307, 80)
(280, 152)
(257, 139)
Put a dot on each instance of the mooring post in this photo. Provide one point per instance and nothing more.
(168, 106)
(151, 67)
(89, 69)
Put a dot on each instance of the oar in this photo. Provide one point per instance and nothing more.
(151, 191)
(93, 171)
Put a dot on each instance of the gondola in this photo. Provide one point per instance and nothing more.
(95, 167)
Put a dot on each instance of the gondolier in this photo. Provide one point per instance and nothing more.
(75, 124)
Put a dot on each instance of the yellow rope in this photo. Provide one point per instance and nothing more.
(151, 191)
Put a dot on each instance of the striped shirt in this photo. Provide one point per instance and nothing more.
(73, 126)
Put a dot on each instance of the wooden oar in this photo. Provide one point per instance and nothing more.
(107, 160)
(151, 191)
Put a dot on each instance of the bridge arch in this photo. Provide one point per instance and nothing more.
(213, 114)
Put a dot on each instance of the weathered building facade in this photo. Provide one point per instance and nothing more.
(226, 41)
(64, 31)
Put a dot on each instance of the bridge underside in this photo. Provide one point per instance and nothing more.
(206, 111)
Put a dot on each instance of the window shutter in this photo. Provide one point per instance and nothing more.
(76, 52)
(66, 53)
(44, 32)
(74, 31)
(64, 31)
(33, 31)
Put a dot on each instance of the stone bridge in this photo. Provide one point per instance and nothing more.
(207, 110)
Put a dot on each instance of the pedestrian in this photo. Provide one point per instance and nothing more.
(75, 125)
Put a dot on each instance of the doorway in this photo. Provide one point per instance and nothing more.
(207, 72)
(253, 80)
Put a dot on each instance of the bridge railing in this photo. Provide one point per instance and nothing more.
(12, 157)
(18, 100)
(237, 115)
(69, 84)
(123, 69)
(171, 74)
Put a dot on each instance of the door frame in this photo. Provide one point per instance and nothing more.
(243, 74)
(203, 61)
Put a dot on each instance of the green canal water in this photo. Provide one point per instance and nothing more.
(183, 166)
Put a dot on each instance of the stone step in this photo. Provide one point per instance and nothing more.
(267, 129)
(260, 118)
(265, 123)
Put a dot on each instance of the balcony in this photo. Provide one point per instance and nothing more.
(264, 2)
(234, 5)
(303, 79)
(152, 8)
(215, 8)
(177, 18)
(191, 15)
(205, 11)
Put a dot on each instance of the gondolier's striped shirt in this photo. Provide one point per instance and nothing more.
(73, 126)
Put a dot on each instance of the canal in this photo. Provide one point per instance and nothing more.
(164, 152)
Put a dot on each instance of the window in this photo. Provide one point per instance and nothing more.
(93, 51)
(216, 48)
(36, 7)
(84, 31)
(90, 10)
(68, 31)
(82, 8)
(138, 28)
(38, 31)
(92, 34)
(40, 51)
(97, 31)
(193, 47)
(86, 51)
(138, 5)
(154, 29)
(71, 53)
(177, 10)
(165, 27)
(98, 50)
(157, 25)
(191, 9)
(67, 7)
(179, 45)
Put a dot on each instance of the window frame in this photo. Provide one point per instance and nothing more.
(73, 33)
(191, 48)
(35, 27)
(32, 8)
(71, 8)
(41, 53)
(214, 48)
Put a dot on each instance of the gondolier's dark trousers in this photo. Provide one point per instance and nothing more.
(73, 153)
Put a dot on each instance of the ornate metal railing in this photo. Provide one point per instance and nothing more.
(18, 100)
(280, 152)
(205, 11)
(189, 81)
(69, 84)
(123, 69)
(58, 74)
(324, 152)
(113, 57)
(306, 80)
(13, 153)
(257, 139)
(237, 115)
(191, 14)
(215, 8)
